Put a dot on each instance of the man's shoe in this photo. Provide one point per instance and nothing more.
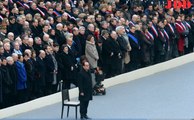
(86, 117)
(82, 118)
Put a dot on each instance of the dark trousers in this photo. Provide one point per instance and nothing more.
(83, 107)
(22, 96)
(67, 84)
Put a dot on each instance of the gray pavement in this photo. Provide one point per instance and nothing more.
(162, 96)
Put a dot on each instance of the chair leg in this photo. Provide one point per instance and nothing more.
(76, 112)
(62, 112)
(67, 111)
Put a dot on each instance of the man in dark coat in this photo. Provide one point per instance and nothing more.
(14, 77)
(29, 66)
(173, 37)
(51, 70)
(41, 73)
(60, 37)
(85, 89)
(116, 56)
(7, 83)
(135, 49)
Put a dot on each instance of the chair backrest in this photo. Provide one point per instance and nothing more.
(65, 95)
(64, 92)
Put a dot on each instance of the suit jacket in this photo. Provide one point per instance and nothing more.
(123, 44)
(41, 71)
(2, 36)
(106, 51)
(115, 48)
(135, 52)
(85, 85)
(35, 31)
(191, 33)
(171, 32)
(50, 67)
(161, 41)
(29, 66)
(7, 81)
(14, 77)
(60, 37)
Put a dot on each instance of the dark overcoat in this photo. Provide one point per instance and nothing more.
(85, 85)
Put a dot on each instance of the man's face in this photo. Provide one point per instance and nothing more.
(155, 20)
(43, 54)
(70, 42)
(133, 29)
(10, 62)
(82, 31)
(86, 66)
(49, 50)
(7, 46)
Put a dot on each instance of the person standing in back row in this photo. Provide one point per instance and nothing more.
(85, 89)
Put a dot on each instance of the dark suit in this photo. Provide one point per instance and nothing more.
(160, 47)
(116, 58)
(41, 73)
(7, 86)
(85, 87)
(60, 37)
(50, 67)
(29, 66)
(35, 31)
(145, 43)
(14, 78)
(191, 36)
(106, 53)
(173, 40)
(2, 36)
(135, 52)
(82, 39)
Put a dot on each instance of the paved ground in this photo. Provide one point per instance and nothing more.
(166, 95)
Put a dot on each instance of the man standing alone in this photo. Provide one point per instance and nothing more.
(85, 89)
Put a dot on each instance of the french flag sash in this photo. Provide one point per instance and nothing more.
(155, 32)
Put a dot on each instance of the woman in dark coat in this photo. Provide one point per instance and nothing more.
(85, 89)
(69, 67)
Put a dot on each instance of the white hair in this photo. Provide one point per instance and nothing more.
(118, 28)
(9, 58)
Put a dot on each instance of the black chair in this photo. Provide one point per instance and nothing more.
(66, 102)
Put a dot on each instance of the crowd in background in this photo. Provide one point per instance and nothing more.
(45, 41)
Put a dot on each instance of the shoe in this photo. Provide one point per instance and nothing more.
(86, 117)
(82, 118)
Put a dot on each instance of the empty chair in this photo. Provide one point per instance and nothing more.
(67, 102)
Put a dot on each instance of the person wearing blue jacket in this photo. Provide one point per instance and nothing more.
(22, 78)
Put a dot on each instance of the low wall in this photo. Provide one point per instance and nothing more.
(55, 98)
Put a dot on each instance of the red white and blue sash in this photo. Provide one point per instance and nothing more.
(155, 32)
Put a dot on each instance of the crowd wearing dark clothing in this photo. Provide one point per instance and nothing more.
(43, 42)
